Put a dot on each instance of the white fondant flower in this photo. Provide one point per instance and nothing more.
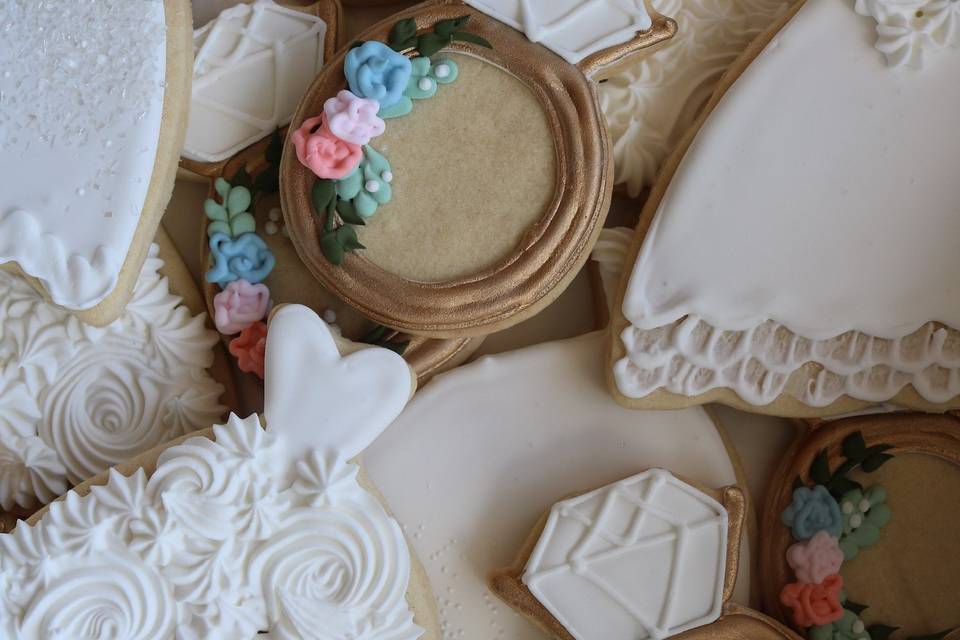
(109, 595)
(323, 478)
(155, 537)
(908, 29)
(29, 470)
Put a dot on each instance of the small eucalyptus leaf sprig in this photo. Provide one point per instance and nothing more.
(268, 180)
(856, 455)
(404, 36)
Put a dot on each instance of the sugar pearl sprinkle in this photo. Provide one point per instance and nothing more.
(425, 84)
(442, 70)
(372, 186)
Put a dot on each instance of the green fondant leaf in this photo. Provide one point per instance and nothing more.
(374, 335)
(242, 223)
(401, 32)
(323, 193)
(348, 188)
(446, 28)
(878, 448)
(218, 227)
(855, 607)
(430, 44)
(420, 66)
(401, 108)
(472, 38)
(940, 635)
(881, 631)
(242, 179)
(214, 210)
(454, 71)
(222, 187)
(841, 485)
(238, 200)
(269, 180)
(355, 44)
(875, 461)
(820, 469)
(416, 92)
(854, 446)
(347, 237)
(348, 213)
(275, 149)
(330, 246)
(797, 483)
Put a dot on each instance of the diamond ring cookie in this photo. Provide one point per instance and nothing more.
(448, 176)
(77, 399)
(94, 111)
(795, 257)
(252, 64)
(242, 531)
(856, 543)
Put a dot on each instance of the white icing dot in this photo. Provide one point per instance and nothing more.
(387, 176)
(81, 191)
(856, 521)
(425, 84)
(847, 507)
(858, 627)
(372, 186)
(271, 228)
(864, 505)
(275, 214)
(442, 70)
(329, 316)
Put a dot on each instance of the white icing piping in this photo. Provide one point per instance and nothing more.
(908, 29)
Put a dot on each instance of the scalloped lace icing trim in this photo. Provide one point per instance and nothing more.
(690, 357)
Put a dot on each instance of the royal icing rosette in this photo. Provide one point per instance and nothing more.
(254, 531)
(794, 259)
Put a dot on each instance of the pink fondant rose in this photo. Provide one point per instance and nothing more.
(325, 154)
(249, 348)
(239, 306)
(353, 119)
(814, 604)
(812, 561)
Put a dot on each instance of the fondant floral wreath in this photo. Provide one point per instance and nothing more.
(830, 523)
(383, 80)
(241, 261)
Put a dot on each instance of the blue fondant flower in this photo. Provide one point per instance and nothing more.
(377, 72)
(811, 511)
(246, 257)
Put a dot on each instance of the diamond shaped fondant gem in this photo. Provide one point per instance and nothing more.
(643, 558)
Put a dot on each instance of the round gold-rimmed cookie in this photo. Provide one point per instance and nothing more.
(290, 282)
(491, 172)
(262, 59)
(855, 530)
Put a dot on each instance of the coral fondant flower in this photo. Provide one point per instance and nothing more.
(812, 561)
(328, 156)
(353, 119)
(240, 305)
(377, 72)
(249, 348)
(814, 604)
(813, 510)
(864, 514)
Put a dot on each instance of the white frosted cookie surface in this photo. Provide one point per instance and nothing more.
(79, 399)
(812, 220)
(81, 99)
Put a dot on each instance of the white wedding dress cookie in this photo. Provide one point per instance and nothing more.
(251, 66)
(260, 531)
(78, 399)
(82, 92)
(805, 246)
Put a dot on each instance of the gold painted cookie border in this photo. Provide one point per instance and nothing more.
(784, 405)
(331, 12)
(173, 130)
(908, 433)
(427, 356)
(552, 251)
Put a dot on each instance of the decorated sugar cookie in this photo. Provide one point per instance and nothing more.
(647, 557)
(775, 266)
(241, 289)
(77, 399)
(251, 66)
(449, 174)
(94, 109)
(856, 542)
(245, 532)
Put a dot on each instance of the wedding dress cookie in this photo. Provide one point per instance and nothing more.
(251, 532)
(855, 543)
(93, 114)
(251, 66)
(795, 258)
(450, 173)
(77, 399)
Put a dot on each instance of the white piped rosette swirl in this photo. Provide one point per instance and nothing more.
(256, 531)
